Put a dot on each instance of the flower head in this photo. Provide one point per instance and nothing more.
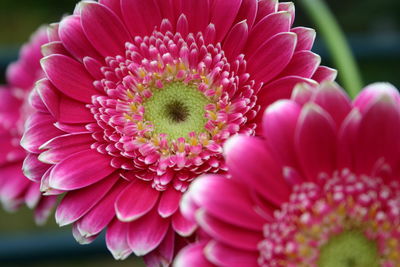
(15, 189)
(321, 189)
(144, 94)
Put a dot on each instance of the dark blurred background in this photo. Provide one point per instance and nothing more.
(372, 28)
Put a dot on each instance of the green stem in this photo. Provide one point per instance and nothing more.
(335, 40)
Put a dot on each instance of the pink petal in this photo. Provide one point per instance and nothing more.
(163, 254)
(303, 93)
(347, 140)
(266, 7)
(55, 47)
(104, 29)
(70, 77)
(169, 202)
(226, 256)
(49, 95)
(197, 14)
(287, 7)
(52, 32)
(248, 170)
(79, 170)
(235, 40)
(264, 64)
(305, 38)
(72, 111)
(74, 39)
(181, 225)
(32, 195)
(334, 100)
(80, 238)
(279, 123)
(226, 200)
(116, 239)
(265, 29)
(192, 255)
(141, 17)
(147, 232)
(303, 64)
(324, 74)
(71, 128)
(34, 169)
(136, 200)
(237, 237)
(44, 209)
(113, 5)
(378, 138)
(223, 14)
(99, 216)
(66, 140)
(77, 203)
(248, 12)
(372, 92)
(315, 141)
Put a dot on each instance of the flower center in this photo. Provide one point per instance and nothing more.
(176, 110)
(349, 249)
(334, 222)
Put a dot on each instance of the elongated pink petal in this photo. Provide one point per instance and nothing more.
(55, 47)
(34, 169)
(305, 38)
(236, 39)
(79, 170)
(237, 237)
(49, 95)
(116, 239)
(372, 92)
(181, 225)
(65, 140)
(223, 14)
(44, 209)
(324, 74)
(265, 29)
(288, 7)
(115, 6)
(77, 203)
(264, 64)
(334, 100)
(72, 111)
(169, 202)
(347, 135)
(163, 254)
(197, 14)
(279, 123)
(248, 170)
(141, 17)
(136, 200)
(210, 194)
(248, 12)
(315, 141)
(192, 255)
(32, 195)
(74, 39)
(266, 7)
(80, 238)
(147, 232)
(226, 256)
(104, 29)
(304, 64)
(69, 77)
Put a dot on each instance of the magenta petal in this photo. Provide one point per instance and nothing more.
(66, 140)
(287, 7)
(80, 238)
(378, 138)
(169, 202)
(163, 254)
(347, 140)
(141, 17)
(334, 100)
(248, 170)
(181, 225)
(34, 169)
(197, 14)
(372, 92)
(237, 237)
(48, 94)
(104, 29)
(99, 216)
(136, 200)
(77, 203)
(192, 255)
(279, 123)
(324, 74)
(303, 64)
(265, 29)
(74, 39)
(44, 209)
(52, 32)
(56, 47)
(113, 5)
(223, 14)
(305, 38)
(79, 170)
(226, 200)
(266, 7)
(226, 256)
(248, 12)
(235, 40)
(72, 111)
(116, 239)
(32, 195)
(315, 141)
(69, 76)
(147, 232)
(272, 57)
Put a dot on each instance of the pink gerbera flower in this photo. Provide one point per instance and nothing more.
(149, 91)
(14, 110)
(321, 189)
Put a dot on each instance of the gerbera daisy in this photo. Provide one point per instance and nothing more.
(15, 189)
(322, 188)
(144, 94)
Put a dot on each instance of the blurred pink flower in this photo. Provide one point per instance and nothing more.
(15, 189)
(149, 91)
(321, 187)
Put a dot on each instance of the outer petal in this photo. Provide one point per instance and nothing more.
(223, 14)
(192, 255)
(227, 256)
(116, 239)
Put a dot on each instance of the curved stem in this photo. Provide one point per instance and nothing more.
(336, 43)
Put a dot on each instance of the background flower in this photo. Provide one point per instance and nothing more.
(149, 91)
(325, 177)
(15, 189)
